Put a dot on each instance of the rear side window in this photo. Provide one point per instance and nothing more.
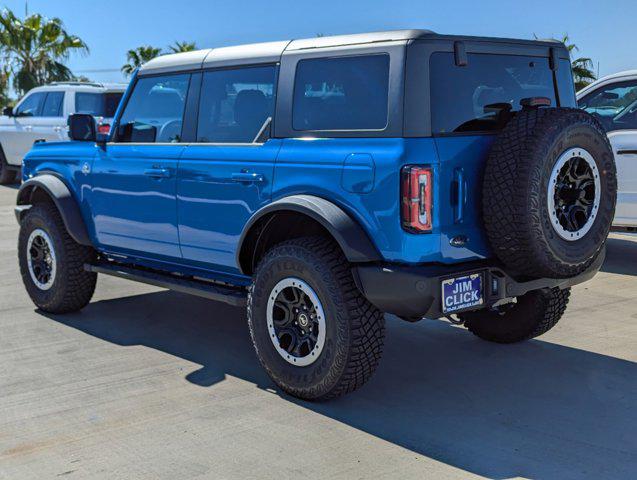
(31, 106)
(98, 104)
(343, 93)
(155, 110)
(235, 105)
(480, 96)
(53, 104)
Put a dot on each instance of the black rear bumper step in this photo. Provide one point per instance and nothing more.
(415, 291)
(231, 295)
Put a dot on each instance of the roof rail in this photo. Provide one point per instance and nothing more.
(72, 82)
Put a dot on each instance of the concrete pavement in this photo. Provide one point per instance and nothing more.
(146, 383)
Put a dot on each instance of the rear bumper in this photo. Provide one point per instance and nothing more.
(414, 291)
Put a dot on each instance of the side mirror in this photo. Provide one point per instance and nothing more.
(7, 111)
(82, 127)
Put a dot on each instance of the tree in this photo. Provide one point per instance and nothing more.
(180, 47)
(35, 49)
(137, 57)
(4, 87)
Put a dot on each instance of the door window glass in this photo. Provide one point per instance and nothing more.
(615, 105)
(154, 113)
(31, 106)
(236, 105)
(53, 104)
(344, 93)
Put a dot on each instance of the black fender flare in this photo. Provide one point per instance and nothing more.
(347, 232)
(63, 199)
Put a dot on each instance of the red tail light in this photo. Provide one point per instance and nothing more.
(416, 201)
(104, 128)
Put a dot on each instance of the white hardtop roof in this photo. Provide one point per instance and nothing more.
(267, 52)
(271, 51)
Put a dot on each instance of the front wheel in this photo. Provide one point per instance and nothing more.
(530, 316)
(52, 263)
(314, 333)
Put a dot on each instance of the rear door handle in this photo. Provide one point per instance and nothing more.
(157, 172)
(247, 177)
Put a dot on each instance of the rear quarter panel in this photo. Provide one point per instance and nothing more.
(324, 167)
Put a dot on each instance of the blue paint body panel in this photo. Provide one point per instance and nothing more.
(191, 219)
(214, 202)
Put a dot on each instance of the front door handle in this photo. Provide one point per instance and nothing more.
(247, 177)
(157, 172)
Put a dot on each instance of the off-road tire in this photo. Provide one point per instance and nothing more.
(7, 175)
(354, 328)
(534, 314)
(516, 178)
(72, 287)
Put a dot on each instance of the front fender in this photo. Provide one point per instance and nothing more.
(64, 201)
(350, 236)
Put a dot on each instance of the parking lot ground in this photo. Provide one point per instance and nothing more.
(146, 383)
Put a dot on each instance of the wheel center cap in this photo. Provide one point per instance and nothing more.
(303, 320)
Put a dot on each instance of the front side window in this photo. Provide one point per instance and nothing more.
(97, 104)
(236, 105)
(615, 105)
(154, 113)
(342, 93)
(31, 106)
(53, 104)
(481, 96)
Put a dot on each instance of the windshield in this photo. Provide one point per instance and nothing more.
(481, 96)
(98, 104)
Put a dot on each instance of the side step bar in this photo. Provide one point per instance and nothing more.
(220, 293)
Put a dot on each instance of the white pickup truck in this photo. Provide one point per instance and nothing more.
(613, 101)
(42, 115)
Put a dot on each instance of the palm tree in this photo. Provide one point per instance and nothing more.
(180, 47)
(582, 66)
(138, 56)
(35, 49)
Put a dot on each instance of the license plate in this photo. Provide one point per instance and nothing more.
(462, 292)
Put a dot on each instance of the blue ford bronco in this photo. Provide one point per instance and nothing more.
(325, 182)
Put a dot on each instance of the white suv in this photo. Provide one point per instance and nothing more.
(613, 100)
(42, 115)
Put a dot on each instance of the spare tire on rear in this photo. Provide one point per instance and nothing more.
(549, 192)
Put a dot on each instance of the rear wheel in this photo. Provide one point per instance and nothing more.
(530, 316)
(52, 263)
(314, 333)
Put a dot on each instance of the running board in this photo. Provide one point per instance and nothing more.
(220, 293)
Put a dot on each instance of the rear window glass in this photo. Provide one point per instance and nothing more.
(479, 97)
(344, 93)
(98, 104)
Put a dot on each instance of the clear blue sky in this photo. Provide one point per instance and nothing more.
(603, 29)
